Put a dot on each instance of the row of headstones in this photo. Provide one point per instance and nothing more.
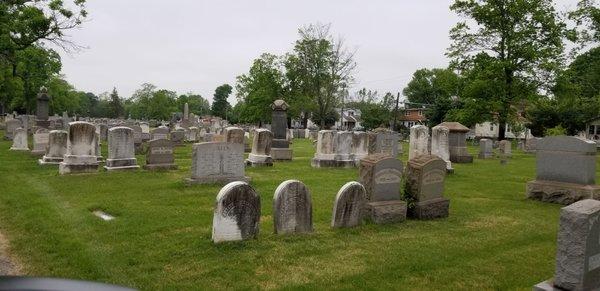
(346, 148)
(238, 207)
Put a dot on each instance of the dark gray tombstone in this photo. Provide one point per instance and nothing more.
(237, 213)
(160, 155)
(566, 170)
(280, 150)
(458, 142)
(160, 133)
(486, 149)
(11, 126)
(292, 208)
(217, 162)
(425, 186)
(578, 248)
(178, 137)
(348, 206)
(42, 109)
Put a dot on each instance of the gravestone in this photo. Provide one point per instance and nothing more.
(458, 142)
(425, 186)
(208, 137)
(486, 149)
(11, 126)
(82, 153)
(20, 142)
(325, 153)
(160, 155)
(360, 146)
(381, 175)
(504, 149)
(384, 142)
(234, 135)
(261, 149)
(292, 208)
(565, 170)
(578, 249)
(177, 137)
(531, 144)
(280, 149)
(343, 151)
(42, 109)
(419, 141)
(440, 145)
(348, 205)
(217, 162)
(137, 138)
(103, 132)
(121, 149)
(57, 148)
(145, 131)
(40, 142)
(160, 133)
(191, 135)
(237, 213)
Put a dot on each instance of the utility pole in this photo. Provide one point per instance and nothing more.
(396, 111)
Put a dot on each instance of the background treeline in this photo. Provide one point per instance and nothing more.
(509, 64)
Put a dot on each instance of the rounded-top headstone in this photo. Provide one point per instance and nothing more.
(292, 208)
(237, 213)
(348, 205)
(82, 139)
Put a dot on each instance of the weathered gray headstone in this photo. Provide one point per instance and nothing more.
(43, 109)
(531, 144)
(82, 153)
(178, 136)
(566, 170)
(381, 175)
(237, 213)
(57, 148)
(261, 149)
(20, 142)
(440, 145)
(121, 149)
(11, 126)
(425, 186)
(458, 142)
(217, 162)
(348, 206)
(578, 248)
(504, 149)
(486, 149)
(234, 135)
(160, 133)
(343, 151)
(280, 149)
(160, 155)
(292, 208)
(360, 146)
(419, 141)
(384, 142)
(40, 142)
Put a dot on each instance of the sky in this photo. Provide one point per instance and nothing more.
(196, 45)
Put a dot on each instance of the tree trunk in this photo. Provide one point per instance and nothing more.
(501, 130)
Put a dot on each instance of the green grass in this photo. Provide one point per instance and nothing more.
(493, 239)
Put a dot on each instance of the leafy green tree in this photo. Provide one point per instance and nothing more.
(375, 112)
(318, 71)
(515, 46)
(587, 20)
(64, 96)
(259, 88)
(220, 105)
(196, 103)
(434, 89)
(162, 104)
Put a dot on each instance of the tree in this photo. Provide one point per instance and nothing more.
(259, 88)
(220, 105)
(435, 89)
(116, 106)
(196, 103)
(520, 43)
(318, 71)
(587, 20)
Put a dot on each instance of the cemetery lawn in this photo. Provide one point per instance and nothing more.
(161, 237)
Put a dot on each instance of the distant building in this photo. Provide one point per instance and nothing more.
(412, 116)
(349, 119)
(592, 129)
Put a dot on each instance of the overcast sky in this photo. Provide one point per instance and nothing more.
(195, 46)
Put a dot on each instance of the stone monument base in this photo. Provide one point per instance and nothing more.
(461, 159)
(435, 208)
(19, 149)
(64, 168)
(50, 160)
(281, 154)
(546, 286)
(121, 164)
(259, 161)
(38, 153)
(561, 193)
(321, 163)
(158, 167)
(486, 155)
(383, 212)
(215, 180)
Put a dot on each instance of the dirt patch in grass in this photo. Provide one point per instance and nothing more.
(9, 265)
